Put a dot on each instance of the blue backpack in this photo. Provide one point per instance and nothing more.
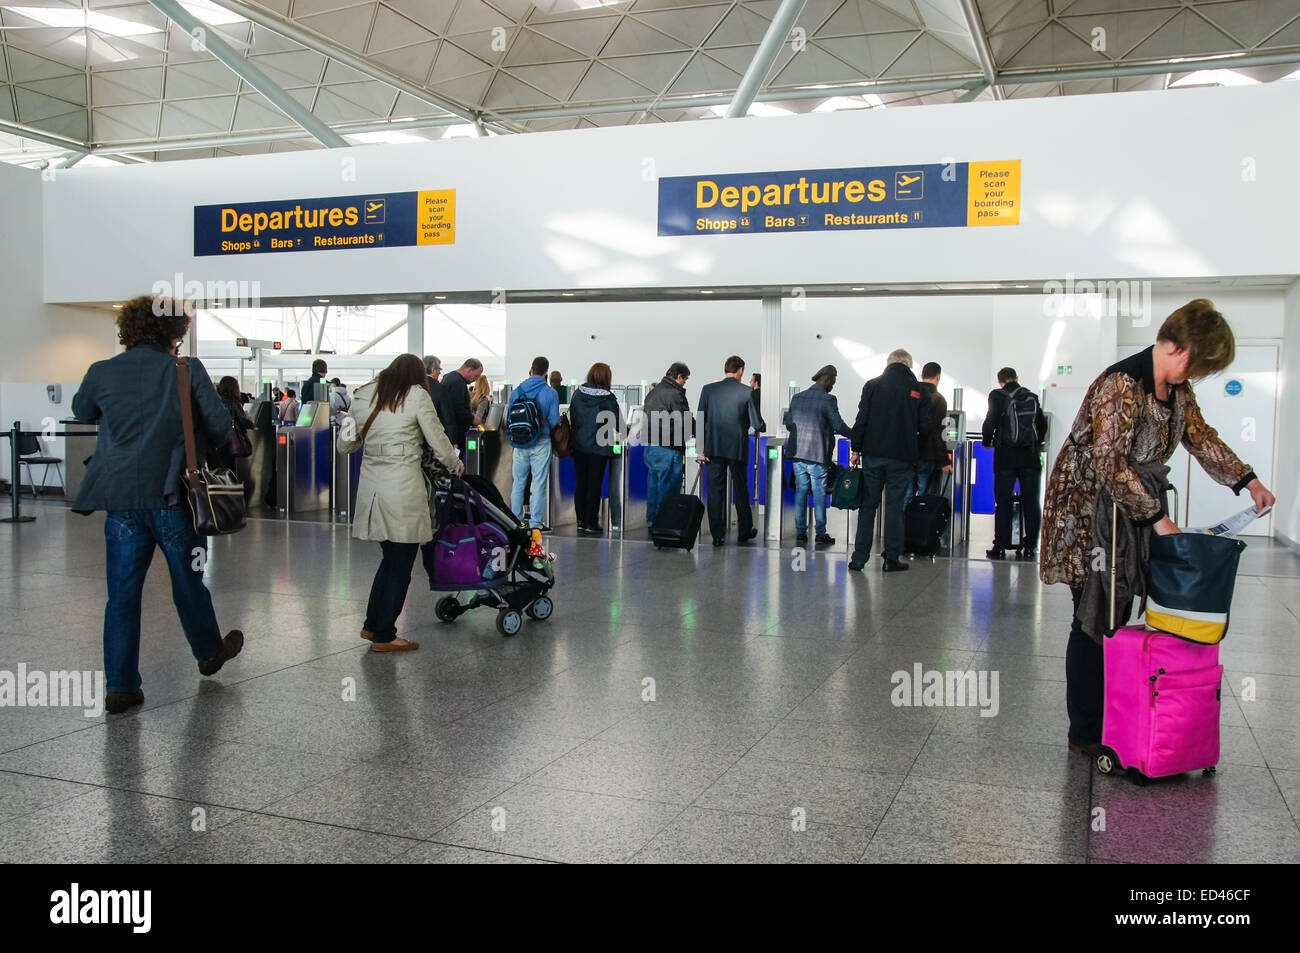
(523, 421)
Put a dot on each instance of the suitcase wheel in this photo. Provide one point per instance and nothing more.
(1105, 762)
(1209, 771)
(1138, 778)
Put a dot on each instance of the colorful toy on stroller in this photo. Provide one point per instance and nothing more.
(480, 547)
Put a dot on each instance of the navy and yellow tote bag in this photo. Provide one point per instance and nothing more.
(1192, 578)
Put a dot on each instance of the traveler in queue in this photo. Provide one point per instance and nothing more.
(594, 415)
(135, 476)
(433, 382)
(813, 420)
(666, 430)
(884, 440)
(1015, 428)
(530, 416)
(729, 416)
(457, 415)
(557, 384)
(232, 399)
(315, 387)
(480, 401)
(391, 420)
(931, 448)
(289, 408)
(339, 399)
(1134, 416)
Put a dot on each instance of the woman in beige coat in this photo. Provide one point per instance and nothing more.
(393, 418)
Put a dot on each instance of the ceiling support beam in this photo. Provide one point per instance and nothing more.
(777, 32)
(1154, 68)
(318, 43)
(982, 52)
(49, 138)
(219, 48)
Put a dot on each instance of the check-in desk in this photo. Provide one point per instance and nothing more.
(304, 463)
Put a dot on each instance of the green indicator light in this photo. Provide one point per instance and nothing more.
(473, 444)
(618, 448)
(643, 383)
(793, 384)
(773, 454)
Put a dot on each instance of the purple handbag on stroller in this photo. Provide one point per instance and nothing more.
(468, 550)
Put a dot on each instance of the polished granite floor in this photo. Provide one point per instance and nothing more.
(767, 732)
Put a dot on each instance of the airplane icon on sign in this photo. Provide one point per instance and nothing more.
(909, 185)
(375, 209)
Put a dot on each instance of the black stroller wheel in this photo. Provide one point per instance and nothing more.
(447, 609)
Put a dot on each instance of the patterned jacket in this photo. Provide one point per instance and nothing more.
(1122, 423)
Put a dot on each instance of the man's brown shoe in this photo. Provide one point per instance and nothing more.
(231, 646)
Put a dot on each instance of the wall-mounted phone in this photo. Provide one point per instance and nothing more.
(55, 392)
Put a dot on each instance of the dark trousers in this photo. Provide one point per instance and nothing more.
(1004, 488)
(588, 475)
(718, 468)
(1085, 678)
(130, 537)
(388, 591)
(892, 478)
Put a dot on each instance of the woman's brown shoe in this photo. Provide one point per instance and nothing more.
(368, 636)
(397, 645)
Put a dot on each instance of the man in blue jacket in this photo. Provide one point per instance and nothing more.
(528, 429)
(885, 441)
(135, 475)
(813, 421)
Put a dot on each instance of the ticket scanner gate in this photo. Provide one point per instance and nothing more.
(303, 462)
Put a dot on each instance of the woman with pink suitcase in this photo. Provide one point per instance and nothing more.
(1133, 417)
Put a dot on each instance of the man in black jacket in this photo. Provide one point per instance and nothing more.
(1014, 463)
(456, 415)
(666, 429)
(884, 440)
(729, 415)
(932, 451)
(315, 388)
(433, 381)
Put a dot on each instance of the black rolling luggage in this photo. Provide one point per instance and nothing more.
(677, 524)
(924, 520)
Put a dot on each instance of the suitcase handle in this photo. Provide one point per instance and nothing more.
(1114, 521)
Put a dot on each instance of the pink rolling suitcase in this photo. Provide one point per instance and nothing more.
(1161, 710)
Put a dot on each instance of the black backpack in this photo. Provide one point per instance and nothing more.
(523, 421)
(1019, 424)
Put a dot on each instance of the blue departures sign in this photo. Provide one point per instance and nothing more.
(385, 219)
(913, 196)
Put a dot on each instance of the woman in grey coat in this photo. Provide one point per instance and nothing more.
(393, 418)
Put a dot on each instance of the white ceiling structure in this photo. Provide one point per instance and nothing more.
(148, 80)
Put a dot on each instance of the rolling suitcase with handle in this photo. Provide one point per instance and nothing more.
(1161, 707)
(924, 520)
(677, 523)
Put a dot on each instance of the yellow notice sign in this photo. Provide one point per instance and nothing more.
(435, 217)
(993, 193)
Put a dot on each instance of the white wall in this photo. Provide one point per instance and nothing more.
(573, 209)
(638, 340)
(43, 344)
(1286, 519)
(1255, 316)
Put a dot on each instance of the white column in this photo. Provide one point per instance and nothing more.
(774, 387)
(415, 329)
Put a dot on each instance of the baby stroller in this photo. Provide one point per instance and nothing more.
(480, 546)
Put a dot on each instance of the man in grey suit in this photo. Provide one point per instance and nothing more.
(728, 416)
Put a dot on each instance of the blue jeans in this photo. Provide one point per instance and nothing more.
(130, 537)
(892, 478)
(929, 478)
(534, 460)
(809, 477)
(664, 469)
